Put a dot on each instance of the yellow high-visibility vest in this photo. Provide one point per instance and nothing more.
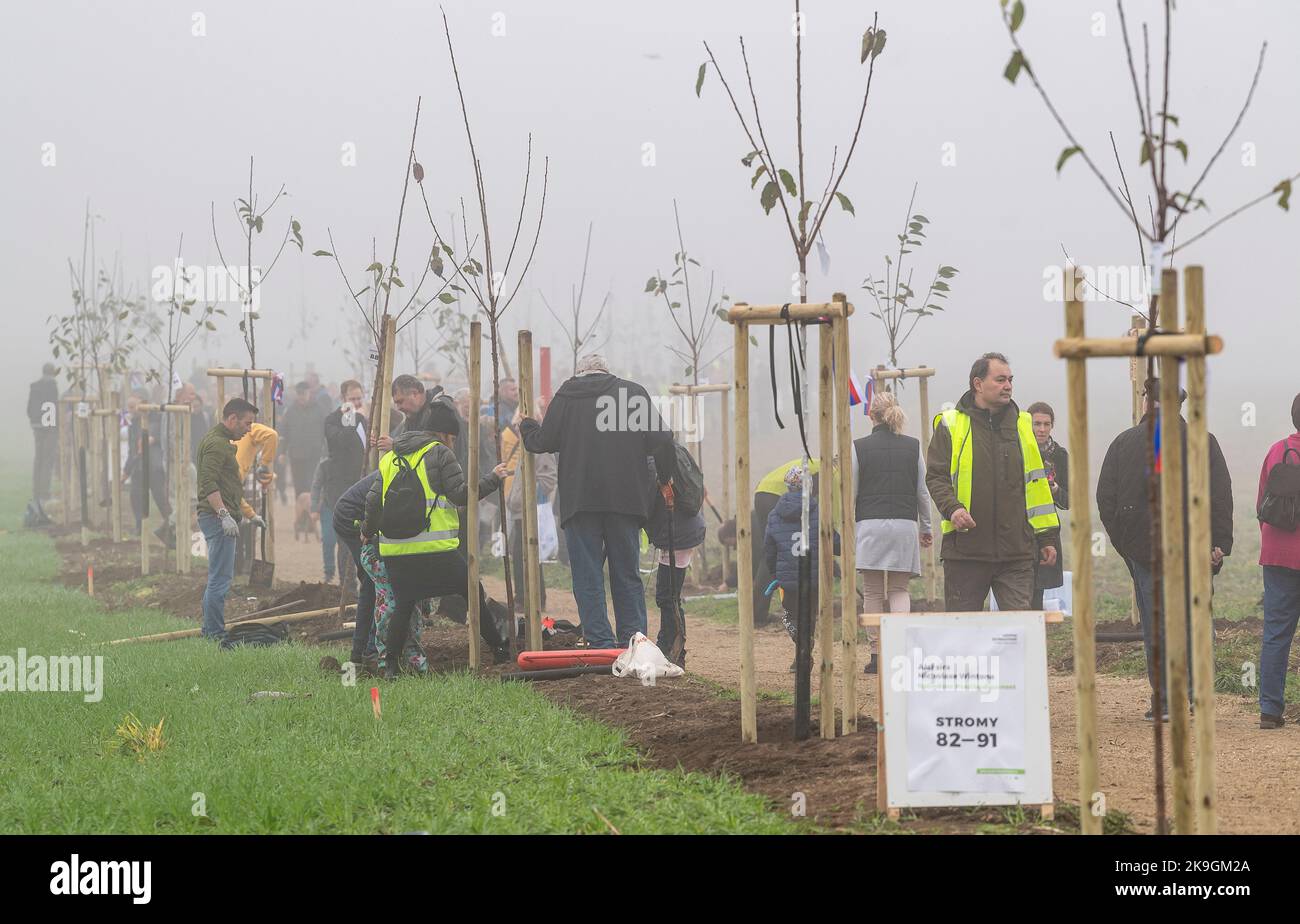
(443, 530)
(1040, 508)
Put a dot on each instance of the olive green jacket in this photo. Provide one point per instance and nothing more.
(219, 471)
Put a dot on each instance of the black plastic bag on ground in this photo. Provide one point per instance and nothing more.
(254, 636)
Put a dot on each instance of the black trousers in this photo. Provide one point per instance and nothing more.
(432, 574)
(668, 592)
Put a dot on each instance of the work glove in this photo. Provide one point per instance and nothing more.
(258, 521)
(228, 524)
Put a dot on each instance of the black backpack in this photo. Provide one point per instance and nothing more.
(405, 512)
(688, 483)
(1280, 506)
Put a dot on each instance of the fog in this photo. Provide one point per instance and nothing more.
(152, 123)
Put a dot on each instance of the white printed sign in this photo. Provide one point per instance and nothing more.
(965, 709)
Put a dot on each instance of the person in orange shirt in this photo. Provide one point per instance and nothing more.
(258, 443)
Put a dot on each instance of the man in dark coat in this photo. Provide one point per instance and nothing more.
(1126, 516)
(42, 414)
(345, 461)
(603, 427)
(302, 435)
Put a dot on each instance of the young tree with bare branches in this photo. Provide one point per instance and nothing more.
(893, 296)
(578, 334)
(252, 218)
(804, 215)
(488, 284)
(1156, 229)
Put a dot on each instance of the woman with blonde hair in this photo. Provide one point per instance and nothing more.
(892, 509)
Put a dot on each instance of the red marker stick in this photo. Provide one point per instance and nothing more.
(374, 702)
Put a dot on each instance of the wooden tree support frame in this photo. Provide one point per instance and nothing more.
(109, 447)
(527, 469)
(723, 391)
(834, 431)
(178, 472)
(70, 438)
(922, 374)
(266, 407)
(1194, 802)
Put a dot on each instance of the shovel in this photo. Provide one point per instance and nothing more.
(261, 573)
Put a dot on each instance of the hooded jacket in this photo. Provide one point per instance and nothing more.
(603, 427)
(446, 477)
(778, 542)
(1002, 532)
(1122, 494)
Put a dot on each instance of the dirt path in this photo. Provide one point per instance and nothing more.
(1258, 772)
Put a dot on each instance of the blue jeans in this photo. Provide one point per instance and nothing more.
(363, 636)
(1281, 612)
(1145, 587)
(594, 538)
(327, 539)
(221, 571)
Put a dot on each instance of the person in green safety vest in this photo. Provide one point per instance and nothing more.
(430, 563)
(986, 476)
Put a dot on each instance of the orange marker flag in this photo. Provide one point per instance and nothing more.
(374, 702)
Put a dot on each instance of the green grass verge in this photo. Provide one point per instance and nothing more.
(451, 754)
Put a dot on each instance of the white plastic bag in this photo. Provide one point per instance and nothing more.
(644, 661)
(548, 542)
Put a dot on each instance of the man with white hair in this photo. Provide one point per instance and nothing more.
(603, 428)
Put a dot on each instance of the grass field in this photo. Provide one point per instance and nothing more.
(451, 754)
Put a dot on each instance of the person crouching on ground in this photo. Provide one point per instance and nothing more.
(782, 550)
(221, 506)
(430, 563)
(687, 536)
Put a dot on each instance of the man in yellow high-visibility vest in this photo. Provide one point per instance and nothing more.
(986, 476)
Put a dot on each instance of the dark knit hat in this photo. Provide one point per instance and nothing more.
(442, 417)
(1295, 413)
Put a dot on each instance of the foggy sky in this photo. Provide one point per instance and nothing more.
(152, 124)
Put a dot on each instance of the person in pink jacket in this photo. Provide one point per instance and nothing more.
(1279, 554)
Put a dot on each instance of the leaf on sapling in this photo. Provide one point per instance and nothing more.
(748, 159)
(375, 268)
(1146, 151)
(1283, 200)
(759, 172)
(321, 253)
(446, 298)
(652, 283)
(878, 45)
(771, 192)
(1182, 147)
(1014, 66)
(788, 182)
(1017, 15)
(947, 272)
(1066, 155)
(699, 78)
(844, 202)
(868, 39)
